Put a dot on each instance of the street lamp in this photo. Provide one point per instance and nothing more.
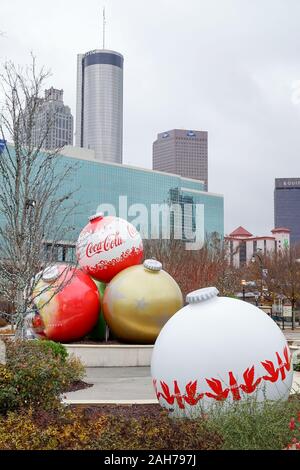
(244, 283)
(293, 303)
(257, 255)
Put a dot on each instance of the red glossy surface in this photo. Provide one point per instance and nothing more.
(74, 310)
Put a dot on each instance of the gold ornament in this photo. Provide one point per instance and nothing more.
(139, 301)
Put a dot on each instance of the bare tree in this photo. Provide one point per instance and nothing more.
(193, 270)
(284, 275)
(35, 206)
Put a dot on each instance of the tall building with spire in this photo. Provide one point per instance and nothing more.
(99, 113)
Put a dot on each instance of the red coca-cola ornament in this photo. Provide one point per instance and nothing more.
(107, 245)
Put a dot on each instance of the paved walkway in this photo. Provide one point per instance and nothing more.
(125, 384)
(116, 383)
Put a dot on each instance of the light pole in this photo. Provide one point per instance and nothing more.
(257, 255)
(244, 284)
(293, 300)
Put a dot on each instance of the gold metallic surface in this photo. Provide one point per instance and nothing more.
(138, 302)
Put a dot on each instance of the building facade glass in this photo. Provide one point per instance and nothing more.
(128, 192)
(287, 206)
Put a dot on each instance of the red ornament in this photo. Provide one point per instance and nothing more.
(67, 302)
(107, 245)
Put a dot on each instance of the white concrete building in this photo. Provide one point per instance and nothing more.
(242, 244)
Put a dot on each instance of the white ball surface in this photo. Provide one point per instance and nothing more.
(219, 349)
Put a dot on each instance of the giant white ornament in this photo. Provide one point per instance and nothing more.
(219, 349)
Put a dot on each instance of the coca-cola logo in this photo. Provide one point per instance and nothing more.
(109, 243)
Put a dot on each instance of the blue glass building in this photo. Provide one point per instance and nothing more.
(130, 192)
(287, 206)
(102, 183)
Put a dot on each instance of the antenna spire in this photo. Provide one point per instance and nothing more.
(104, 24)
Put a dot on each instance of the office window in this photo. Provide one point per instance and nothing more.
(243, 253)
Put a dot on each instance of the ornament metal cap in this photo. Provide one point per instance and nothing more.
(152, 265)
(96, 216)
(202, 294)
(51, 274)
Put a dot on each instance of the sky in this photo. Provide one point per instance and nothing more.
(230, 67)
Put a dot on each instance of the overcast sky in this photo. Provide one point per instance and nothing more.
(231, 67)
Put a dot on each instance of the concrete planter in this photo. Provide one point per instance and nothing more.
(112, 355)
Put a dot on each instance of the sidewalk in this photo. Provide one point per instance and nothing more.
(116, 383)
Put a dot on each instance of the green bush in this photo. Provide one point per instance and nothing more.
(73, 370)
(36, 376)
(58, 349)
(255, 426)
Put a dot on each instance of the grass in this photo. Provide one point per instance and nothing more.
(254, 426)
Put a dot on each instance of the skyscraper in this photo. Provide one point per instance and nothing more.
(182, 152)
(56, 117)
(287, 206)
(99, 114)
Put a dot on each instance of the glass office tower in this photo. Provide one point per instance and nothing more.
(287, 206)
